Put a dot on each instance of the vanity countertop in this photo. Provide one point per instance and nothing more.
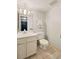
(25, 34)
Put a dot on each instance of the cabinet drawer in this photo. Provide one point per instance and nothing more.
(21, 41)
(31, 39)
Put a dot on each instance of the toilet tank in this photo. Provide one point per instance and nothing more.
(41, 35)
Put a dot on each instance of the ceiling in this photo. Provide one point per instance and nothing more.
(42, 5)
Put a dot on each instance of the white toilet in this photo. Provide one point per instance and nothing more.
(43, 42)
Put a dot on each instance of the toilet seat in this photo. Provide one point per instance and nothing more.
(43, 41)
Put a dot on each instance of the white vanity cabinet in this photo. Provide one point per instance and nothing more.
(21, 48)
(26, 47)
(31, 46)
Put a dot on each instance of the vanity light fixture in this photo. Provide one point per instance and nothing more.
(26, 12)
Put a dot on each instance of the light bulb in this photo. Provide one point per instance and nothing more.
(20, 10)
(25, 12)
(29, 12)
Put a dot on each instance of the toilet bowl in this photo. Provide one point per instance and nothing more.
(43, 43)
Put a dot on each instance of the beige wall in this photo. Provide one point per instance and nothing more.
(53, 23)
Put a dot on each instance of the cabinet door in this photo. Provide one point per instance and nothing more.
(21, 51)
(31, 47)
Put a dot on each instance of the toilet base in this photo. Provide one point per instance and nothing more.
(43, 46)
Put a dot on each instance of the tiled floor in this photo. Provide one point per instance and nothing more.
(50, 53)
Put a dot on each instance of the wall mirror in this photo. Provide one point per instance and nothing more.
(23, 23)
(22, 20)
